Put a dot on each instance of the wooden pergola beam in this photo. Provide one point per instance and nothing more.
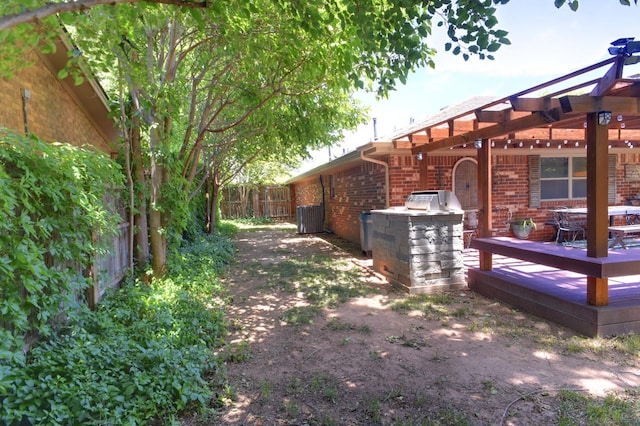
(587, 104)
(536, 119)
(534, 104)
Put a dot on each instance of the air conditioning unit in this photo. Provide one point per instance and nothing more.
(310, 219)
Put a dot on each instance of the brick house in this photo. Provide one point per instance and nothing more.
(521, 185)
(57, 110)
(35, 101)
(374, 176)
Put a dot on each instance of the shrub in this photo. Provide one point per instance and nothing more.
(142, 355)
(50, 204)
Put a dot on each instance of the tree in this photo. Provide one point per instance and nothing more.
(200, 79)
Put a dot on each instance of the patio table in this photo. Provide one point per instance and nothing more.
(613, 211)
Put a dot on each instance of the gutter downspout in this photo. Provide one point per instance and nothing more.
(386, 175)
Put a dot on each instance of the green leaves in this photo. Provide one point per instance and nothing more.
(140, 358)
(50, 203)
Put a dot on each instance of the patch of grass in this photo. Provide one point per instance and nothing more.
(237, 352)
(574, 346)
(627, 344)
(265, 390)
(300, 315)
(449, 416)
(435, 306)
(327, 420)
(324, 280)
(291, 408)
(256, 224)
(577, 409)
(372, 410)
(336, 324)
(326, 385)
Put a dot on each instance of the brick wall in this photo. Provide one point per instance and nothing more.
(404, 177)
(361, 188)
(53, 114)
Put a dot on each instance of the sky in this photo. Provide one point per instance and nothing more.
(545, 43)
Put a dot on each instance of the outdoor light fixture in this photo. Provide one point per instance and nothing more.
(419, 156)
(604, 118)
(624, 46)
(477, 143)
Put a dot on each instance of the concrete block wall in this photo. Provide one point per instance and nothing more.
(419, 253)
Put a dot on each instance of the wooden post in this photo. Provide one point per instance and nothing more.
(597, 291)
(485, 221)
(597, 202)
(424, 171)
(597, 187)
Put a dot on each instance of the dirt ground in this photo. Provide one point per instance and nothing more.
(476, 362)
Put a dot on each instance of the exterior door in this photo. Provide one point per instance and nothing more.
(465, 183)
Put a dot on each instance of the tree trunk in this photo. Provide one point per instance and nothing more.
(156, 236)
(212, 207)
(140, 218)
(207, 196)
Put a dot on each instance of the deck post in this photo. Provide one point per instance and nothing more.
(484, 195)
(597, 187)
(597, 291)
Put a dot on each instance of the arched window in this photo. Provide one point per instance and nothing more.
(465, 183)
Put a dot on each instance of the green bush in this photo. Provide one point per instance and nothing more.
(50, 204)
(142, 356)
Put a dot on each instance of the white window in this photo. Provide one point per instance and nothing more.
(563, 178)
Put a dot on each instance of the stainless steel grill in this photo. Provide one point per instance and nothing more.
(439, 200)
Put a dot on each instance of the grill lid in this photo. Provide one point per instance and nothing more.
(440, 200)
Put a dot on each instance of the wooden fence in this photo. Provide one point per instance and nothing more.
(242, 201)
(110, 267)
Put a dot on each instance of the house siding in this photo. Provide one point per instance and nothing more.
(53, 114)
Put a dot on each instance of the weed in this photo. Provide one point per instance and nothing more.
(265, 389)
(291, 408)
(335, 324)
(488, 385)
(364, 329)
(237, 352)
(294, 386)
(327, 420)
(372, 410)
(225, 395)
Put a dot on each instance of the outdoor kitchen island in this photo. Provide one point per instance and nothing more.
(419, 247)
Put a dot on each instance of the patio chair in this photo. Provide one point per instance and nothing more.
(632, 219)
(570, 226)
(470, 230)
(502, 217)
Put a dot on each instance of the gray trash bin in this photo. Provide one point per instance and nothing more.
(366, 232)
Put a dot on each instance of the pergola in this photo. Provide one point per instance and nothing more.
(606, 115)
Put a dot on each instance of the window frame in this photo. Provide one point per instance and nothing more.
(570, 179)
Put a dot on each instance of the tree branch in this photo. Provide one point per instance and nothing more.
(49, 9)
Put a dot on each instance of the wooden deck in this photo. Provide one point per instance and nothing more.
(560, 295)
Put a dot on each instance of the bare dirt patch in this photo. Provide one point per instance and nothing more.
(294, 358)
